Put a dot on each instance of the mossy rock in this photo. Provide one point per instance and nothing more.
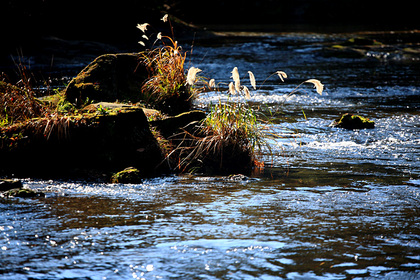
(8, 184)
(342, 51)
(22, 192)
(350, 121)
(110, 77)
(106, 139)
(361, 41)
(129, 175)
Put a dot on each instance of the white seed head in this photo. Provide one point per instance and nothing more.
(252, 79)
(212, 83)
(142, 27)
(191, 76)
(282, 75)
(232, 88)
(247, 94)
(318, 85)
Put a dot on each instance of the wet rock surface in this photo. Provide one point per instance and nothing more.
(350, 121)
(390, 46)
(129, 175)
(15, 188)
(105, 140)
(110, 78)
(8, 184)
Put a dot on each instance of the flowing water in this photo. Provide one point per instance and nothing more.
(330, 203)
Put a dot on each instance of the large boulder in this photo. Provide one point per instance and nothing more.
(110, 78)
(100, 142)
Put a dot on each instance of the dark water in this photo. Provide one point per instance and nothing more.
(330, 204)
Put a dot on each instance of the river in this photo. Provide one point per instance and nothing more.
(329, 204)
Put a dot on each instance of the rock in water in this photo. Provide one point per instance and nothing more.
(8, 184)
(130, 175)
(109, 138)
(110, 77)
(350, 121)
(22, 192)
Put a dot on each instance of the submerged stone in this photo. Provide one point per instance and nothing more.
(350, 121)
(22, 192)
(14, 188)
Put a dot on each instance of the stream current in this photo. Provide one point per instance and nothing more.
(329, 204)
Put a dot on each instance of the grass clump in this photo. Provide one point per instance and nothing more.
(167, 88)
(231, 134)
(18, 104)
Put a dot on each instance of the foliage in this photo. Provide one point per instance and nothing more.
(167, 87)
(18, 104)
(167, 76)
(232, 133)
(231, 124)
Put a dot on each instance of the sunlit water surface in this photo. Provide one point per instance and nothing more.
(330, 204)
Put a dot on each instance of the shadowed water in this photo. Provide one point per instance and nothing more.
(330, 204)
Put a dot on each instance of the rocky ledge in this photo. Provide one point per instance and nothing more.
(108, 139)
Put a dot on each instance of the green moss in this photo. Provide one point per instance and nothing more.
(129, 175)
(362, 41)
(22, 192)
(350, 121)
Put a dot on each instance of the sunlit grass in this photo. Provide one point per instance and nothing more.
(236, 130)
(168, 88)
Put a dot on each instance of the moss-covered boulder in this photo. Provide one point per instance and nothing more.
(8, 184)
(22, 192)
(110, 77)
(96, 142)
(129, 175)
(14, 188)
(350, 121)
